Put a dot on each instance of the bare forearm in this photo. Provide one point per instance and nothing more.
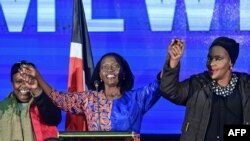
(43, 84)
(173, 63)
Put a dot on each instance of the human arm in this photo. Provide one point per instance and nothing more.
(175, 52)
(72, 102)
(34, 80)
(75, 103)
(148, 95)
(171, 88)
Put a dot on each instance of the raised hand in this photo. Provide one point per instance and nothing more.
(175, 52)
(29, 74)
(28, 70)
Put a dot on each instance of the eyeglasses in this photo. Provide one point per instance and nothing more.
(107, 67)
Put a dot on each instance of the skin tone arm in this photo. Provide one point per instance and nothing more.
(175, 52)
(33, 86)
(171, 87)
(29, 73)
(49, 113)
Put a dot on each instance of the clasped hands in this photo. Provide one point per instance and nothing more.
(28, 74)
(175, 51)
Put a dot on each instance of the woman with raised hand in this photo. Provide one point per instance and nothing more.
(110, 104)
(214, 98)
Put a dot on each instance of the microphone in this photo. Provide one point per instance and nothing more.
(96, 83)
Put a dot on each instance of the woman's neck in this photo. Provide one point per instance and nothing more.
(112, 92)
(225, 80)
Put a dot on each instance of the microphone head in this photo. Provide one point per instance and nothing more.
(96, 83)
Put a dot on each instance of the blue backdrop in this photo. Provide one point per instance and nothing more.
(140, 30)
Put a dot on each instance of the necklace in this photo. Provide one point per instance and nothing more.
(225, 91)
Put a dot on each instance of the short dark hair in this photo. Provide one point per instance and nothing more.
(126, 77)
(15, 67)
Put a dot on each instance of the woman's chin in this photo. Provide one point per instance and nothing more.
(24, 97)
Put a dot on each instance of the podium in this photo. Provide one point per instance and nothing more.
(96, 136)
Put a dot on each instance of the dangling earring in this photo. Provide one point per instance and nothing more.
(101, 80)
(231, 66)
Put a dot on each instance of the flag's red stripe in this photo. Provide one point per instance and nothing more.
(75, 81)
(75, 84)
